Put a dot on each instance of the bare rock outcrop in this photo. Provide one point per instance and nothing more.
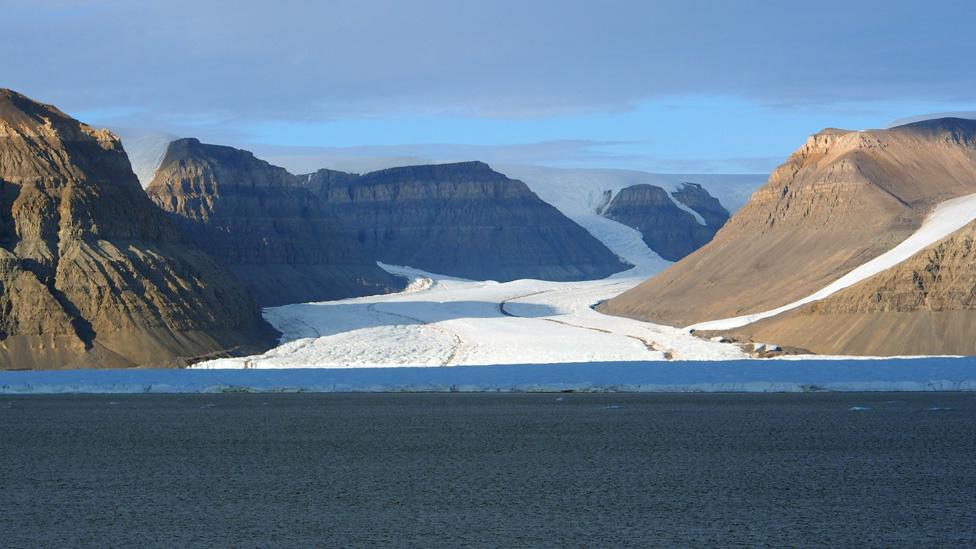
(92, 274)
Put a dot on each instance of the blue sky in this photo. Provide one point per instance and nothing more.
(671, 86)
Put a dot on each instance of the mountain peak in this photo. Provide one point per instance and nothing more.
(956, 129)
(228, 165)
(17, 109)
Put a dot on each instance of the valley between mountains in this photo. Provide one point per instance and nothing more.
(861, 243)
(440, 320)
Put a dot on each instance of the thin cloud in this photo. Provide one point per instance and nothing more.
(310, 61)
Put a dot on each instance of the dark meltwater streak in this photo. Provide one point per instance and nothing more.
(511, 470)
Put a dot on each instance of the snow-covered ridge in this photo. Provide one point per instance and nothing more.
(945, 219)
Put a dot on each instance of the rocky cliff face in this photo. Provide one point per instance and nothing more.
(667, 229)
(839, 201)
(461, 219)
(92, 273)
(260, 221)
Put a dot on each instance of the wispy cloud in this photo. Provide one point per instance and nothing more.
(301, 60)
(649, 84)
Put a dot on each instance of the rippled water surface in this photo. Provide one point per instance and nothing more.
(893, 469)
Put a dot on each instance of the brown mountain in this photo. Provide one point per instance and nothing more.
(261, 221)
(462, 219)
(667, 229)
(842, 199)
(93, 274)
(925, 305)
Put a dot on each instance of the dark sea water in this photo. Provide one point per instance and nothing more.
(896, 469)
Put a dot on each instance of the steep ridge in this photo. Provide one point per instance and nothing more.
(92, 273)
(462, 219)
(671, 231)
(842, 199)
(260, 221)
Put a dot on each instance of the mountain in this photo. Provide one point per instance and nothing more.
(562, 186)
(671, 226)
(462, 219)
(576, 193)
(695, 197)
(841, 200)
(261, 221)
(92, 273)
(924, 305)
(584, 194)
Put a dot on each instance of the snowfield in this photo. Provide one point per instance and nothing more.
(445, 321)
(945, 219)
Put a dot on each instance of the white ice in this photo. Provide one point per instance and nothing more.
(443, 321)
(945, 219)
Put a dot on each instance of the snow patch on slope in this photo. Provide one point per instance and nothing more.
(682, 206)
(947, 218)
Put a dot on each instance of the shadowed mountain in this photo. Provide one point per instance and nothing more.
(261, 221)
(462, 219)
(315, 237)
(92, 273)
